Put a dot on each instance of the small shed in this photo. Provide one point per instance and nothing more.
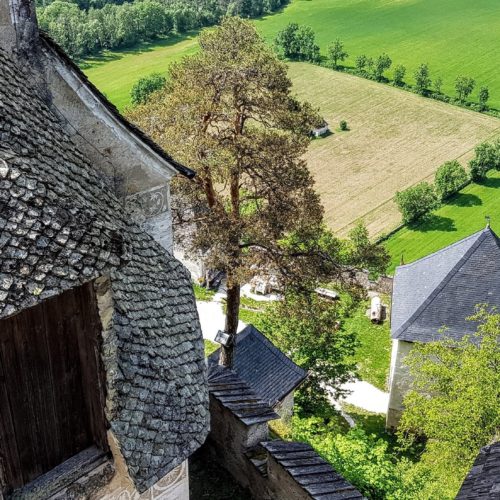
(266, 369)
(321, 129)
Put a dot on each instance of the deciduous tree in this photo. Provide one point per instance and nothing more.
(484, 95)
(337, 53)
(454, 402)
(399, 75)
(306, 328)
(417, 201)
(297, 42)
(438, 84)
(382, 63)
(464, 86)
(422, 79)
(487, 157)
(449, 178)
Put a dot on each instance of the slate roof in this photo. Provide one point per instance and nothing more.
(234, 394)
(263, 366)
(483, 480)
(308, 469)
(61, 226)
(443, 289)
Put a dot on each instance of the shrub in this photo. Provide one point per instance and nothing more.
(362, 459)
(450, 177)
(336, 53)
(145, 86)
(382, 63)
(487, 157)
(464, 86)
(399, 75)
(484, 95)
(422, 79)
(417, 201)
(343, 125)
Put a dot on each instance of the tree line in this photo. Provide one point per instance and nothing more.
(417, 202)
(298, 42)
(86, 27)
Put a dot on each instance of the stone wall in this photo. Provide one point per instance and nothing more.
(399, 382)
(285, 407)
(233, 444)
(383, 284)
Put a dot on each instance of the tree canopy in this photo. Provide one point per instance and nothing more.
(463, 413)
(297, 42)
(228, 113)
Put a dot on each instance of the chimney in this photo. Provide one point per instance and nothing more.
(18, 27)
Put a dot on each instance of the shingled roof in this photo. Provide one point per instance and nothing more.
(234, 394)
(442, 289)
(258, 362)
(483, 480)
(62, 226)
(307, 468)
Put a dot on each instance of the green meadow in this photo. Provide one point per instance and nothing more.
(455, 37)
(461, 216)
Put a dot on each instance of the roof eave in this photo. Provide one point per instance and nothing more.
(162, 156)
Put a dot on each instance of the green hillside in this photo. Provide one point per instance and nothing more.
(463, 215)
(453, 36)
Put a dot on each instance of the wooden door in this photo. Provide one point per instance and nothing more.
(51, 398)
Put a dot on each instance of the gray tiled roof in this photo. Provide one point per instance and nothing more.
(483, 480)
(268, 371)
(442, 289)
(308, 469)
(237, 396)
(61, 226)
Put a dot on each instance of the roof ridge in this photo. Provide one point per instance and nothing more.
(442, 283)
(442, 250)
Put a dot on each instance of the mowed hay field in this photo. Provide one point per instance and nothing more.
(396, 139)
(455, 37)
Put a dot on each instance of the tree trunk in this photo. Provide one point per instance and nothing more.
(226, 356)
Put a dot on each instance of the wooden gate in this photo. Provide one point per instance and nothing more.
(51, 391)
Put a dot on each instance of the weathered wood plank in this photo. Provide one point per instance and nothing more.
(51, 385)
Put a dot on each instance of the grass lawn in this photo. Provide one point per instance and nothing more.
(115, 72)
(463, 215)
(201, 293)
(210, 347)
(455, 37)
(373, 356)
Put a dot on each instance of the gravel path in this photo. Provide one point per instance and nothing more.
(363, 395)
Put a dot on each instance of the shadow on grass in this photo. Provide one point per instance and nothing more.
(465, 200)
(491, 182)
(434, 223)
